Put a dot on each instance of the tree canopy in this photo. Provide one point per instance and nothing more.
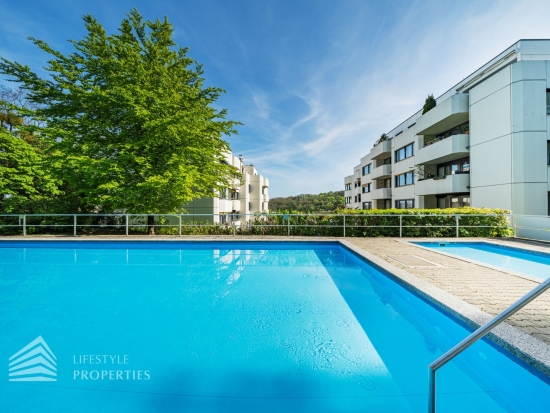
(126, 120)
(328, 201)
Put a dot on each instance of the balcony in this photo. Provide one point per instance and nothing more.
(439, 186)
(381, 193)
(381, 151)
(380, 172)
(448, 149)
(452, 111)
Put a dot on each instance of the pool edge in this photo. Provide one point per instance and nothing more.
(526, 348)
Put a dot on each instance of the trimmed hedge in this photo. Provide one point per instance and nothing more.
(474, 222)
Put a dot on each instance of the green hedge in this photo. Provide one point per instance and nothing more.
(385, 223)
(359, 223)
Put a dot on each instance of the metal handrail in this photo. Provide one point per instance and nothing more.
(476, 335)
(243, 221)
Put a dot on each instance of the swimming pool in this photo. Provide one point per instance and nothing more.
(526, 262)
(236, 327)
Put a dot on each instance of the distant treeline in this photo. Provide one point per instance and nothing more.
(328, 201)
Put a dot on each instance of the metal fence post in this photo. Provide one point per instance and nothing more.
(179, 216)
(457, 217)
(233, 224)
(24, 225)
(400, 226)
(74, 225)
(126, 224)
(344, 225)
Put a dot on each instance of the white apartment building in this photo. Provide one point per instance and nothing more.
(248, 195)
(485, 144)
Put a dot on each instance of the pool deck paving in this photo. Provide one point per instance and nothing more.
(488, 289)
(474, 292)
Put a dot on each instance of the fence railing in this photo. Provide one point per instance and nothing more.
(354, 225)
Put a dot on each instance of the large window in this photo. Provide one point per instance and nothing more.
(404, 179)
(404, 203)
(357, 183)
(367, 169)
(358, 198)
(348, 200)
(366, 188)
(348, 187)
(404, 153)
(460, 166)
(367, 205)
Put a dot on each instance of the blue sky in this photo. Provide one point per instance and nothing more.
(315, 82)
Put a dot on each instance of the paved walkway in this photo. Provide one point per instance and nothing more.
(488, 289)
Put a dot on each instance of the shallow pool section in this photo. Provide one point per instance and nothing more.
(236, 327)
(531, 263)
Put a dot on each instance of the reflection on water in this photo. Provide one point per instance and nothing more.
(241, 327)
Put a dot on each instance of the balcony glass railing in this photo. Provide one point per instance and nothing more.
(457, 130)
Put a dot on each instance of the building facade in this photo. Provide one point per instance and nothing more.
(485, 144)
(248, 195)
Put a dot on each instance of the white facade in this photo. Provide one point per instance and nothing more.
(247, 196)
(485, 144)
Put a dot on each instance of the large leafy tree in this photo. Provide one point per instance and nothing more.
(130, 123)
(24, 176)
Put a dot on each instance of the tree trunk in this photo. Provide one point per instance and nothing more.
(151, 224)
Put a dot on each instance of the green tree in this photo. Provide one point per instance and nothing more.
(429, 104)
(23, 175)
(324, 202)
(130, 123)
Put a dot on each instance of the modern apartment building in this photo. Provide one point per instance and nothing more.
(485, 144)
(249, 195)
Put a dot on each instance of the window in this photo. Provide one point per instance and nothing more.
(348, 187)
(548, 101)
(358, 198)
(548, 152)
(367, 169)
(387, 161)
(387, 203)
(460, 166)
(367, 205)
(387, 183)
(357, 183)
(234, 195)
(404, 204)
(404, 152)
(453, 201)
(366, 188)
(404, 179)
(348, 200)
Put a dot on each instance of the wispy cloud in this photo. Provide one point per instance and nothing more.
(315, 83)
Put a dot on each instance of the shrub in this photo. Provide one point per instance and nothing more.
(429, 104)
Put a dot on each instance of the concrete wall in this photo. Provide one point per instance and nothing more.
(508, 134)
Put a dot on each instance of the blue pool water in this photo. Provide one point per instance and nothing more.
(525, 262)
(236, 327)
